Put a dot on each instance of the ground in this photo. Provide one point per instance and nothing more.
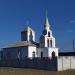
(23, 71)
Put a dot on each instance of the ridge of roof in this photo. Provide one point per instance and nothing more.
(21, 44)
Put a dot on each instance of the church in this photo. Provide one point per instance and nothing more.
(46, 48)
(28, 47)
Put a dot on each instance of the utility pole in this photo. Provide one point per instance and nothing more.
(73, 45)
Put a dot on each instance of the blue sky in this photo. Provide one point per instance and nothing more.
(14, 15)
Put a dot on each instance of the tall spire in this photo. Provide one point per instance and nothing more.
(46, 21)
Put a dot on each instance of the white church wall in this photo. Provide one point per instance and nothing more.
(47, 52)
(46, 41)
(50, 50)
(44, 50)
(66, 62)
(33, 36)
(31, 49)
(53, 42)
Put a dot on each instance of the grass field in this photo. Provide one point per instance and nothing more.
(23, 71)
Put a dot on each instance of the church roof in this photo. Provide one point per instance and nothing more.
(47, 22)
(28, 29)
(21, 44)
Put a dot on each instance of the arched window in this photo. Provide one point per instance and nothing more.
(51, 43)
(48, 42)
(41, 54)
(48, 34)
(53, 54)
(33, 54)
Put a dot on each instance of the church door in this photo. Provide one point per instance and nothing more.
(53, 54)
(33, 55)
(41, 54)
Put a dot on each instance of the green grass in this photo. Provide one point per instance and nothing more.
(23, 71)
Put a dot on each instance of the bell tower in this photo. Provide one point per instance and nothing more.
(47, 39)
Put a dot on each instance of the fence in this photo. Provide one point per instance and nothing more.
(36, 63)
(66, 62)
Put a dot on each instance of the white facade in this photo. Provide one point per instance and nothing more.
(42, 52)
(47, 52)
(31, 35)
(51, 51)
(32, 52)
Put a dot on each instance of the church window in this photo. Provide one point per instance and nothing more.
(48, 34)
(53, 54)
(48, 42)
(51, 42)
(33, 54)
